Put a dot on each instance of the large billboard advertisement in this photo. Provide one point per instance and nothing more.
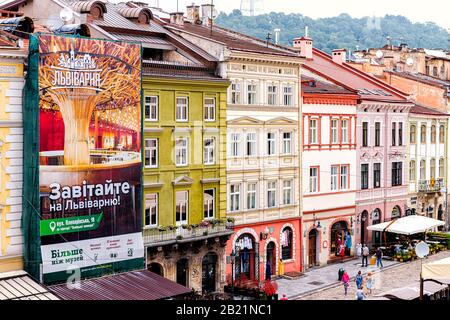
(89, 156)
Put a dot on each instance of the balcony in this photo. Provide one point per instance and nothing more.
(186, 233)
(431, 186)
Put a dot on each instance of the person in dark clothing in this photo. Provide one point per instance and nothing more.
(379, 255)
(268, 271)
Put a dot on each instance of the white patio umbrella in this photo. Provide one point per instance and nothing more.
(407, 225)
(437, 270)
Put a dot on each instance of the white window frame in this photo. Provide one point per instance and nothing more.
(271, 194)
(287, 142)
(180, 107)
(344, 131)
(271, 144)
(313, 180)
(209, 151)
(150, 150)
(251, 192)
(288, 192)
(313, 131)
(149, 205)
(151, 105)
(183, 204)
(343, 183)
(334, 131)
(334, 173)
(252, 142)
(252, 89)
(235, 144)
(272, 94)
(179, 149)
(236, 92)
(235, 197)
(209, 109)
(288, 91)
(211, 204)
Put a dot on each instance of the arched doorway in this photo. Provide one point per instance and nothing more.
(209, 270)
(247, 258)
(338, 232)
(396, 213)
(156, 268)
(271, 257)
(183, 271)
(376, 219)
(363, 222)
(312, 248)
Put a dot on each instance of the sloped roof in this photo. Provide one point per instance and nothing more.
(421, 109)
(322, 87)
(420, 77)
(18, 285)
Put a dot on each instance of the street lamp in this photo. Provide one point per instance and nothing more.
(233, 255)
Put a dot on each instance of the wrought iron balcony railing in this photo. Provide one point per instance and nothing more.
(432, 185)
(157, 236)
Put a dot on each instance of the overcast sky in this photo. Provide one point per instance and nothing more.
(416, 10)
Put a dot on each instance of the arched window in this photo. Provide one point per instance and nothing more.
(412, 170)
(441, 134)
(423, 134)
(433, 134)
(286, 243)
(412, 134)
(422, 169)
(432, 168)
(441, 167)
(156, 268)
(247, 257)
(396, 212)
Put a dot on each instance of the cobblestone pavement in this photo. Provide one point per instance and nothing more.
(320, 278)
(397, 276)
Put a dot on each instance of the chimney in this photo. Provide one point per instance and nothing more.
(193, 13)
(339, 56)
(305, 45)
(207, 12)
(177, 18)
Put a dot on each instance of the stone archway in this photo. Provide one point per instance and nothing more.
(156, 268)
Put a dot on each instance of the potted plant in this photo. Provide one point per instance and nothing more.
(162, 228)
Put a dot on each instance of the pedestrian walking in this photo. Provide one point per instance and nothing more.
(369, 283)
(365, 255)
(359, 250)
(360, 294)
(346, 281)
(379, 255)
(359, 280)
(268, 271)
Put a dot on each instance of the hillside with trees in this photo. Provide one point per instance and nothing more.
(342, 31)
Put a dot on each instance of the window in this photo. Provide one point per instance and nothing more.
(313, 179)
(334, 177)
(422, 169)
(394, 129)
(251, 94)
(181, 152)
(312, 131)
(377, 175)
(344, 177)
(271, 194)
(251, 196)
(334, 131)
(235, 197)
(272, 92)
(235, 144)
(287, 96)
(182, 109)
(396, 174)
(208, 203)
(287, 192)
(235, 93)
(271, 145)
(209, 151)
(286, 243)
(432, 168)
(251, 144)
(423, 134)
(287, 142)
(181, 207)
(365, 134)
(364, 176)
(441, 167)
(433, 134)
(412, 134)
(151, 210)
(151, 108)
(441, 134)
(435, 71)
(400, 133)
(344, 131)
(151, 153)
(377, 134)
(210, 109)
(412, 170)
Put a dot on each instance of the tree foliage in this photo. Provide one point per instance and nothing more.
(342, 31)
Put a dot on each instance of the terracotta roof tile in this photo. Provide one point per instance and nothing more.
(420, 109)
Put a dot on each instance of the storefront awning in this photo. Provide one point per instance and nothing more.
(18, 285)
(412, 291)
(407, 225)
(437, 270)
(134, 285)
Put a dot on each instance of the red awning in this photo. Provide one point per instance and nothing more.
(134, 285)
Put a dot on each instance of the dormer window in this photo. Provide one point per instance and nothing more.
(144, 17)
(96, 9)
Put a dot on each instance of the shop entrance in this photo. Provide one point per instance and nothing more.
(338, 232)
(271, 257)
(247, 258)
(312, 252)
(182, 272)
(209, 269)
(364, 215)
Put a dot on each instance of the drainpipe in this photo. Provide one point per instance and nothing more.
(386, 143)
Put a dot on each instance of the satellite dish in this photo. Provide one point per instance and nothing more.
(379, 54)
(409, 61)
(422, 249)
(66, 15)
